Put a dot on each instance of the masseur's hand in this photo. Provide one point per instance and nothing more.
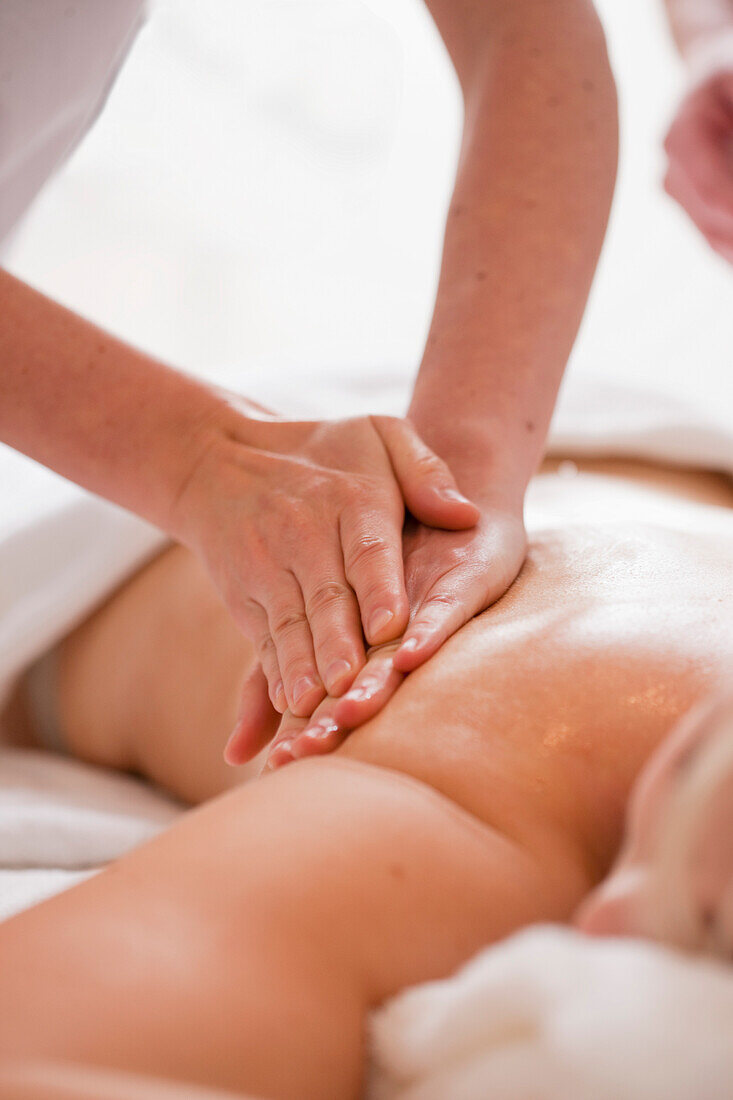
(451, 579)
(450, 576)
(300, 524)
(700, 151)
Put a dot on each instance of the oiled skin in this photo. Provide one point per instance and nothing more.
(245, 946)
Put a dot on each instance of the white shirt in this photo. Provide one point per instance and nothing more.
(58, 60)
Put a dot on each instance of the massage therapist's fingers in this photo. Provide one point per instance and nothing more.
(321, 735)
(714, 221)
(330, 723)
(448, 606)
(377, 683)
(334, 719)
(372, 547)
(699, 146)
(257, 628)
(333, 616)
(256, 722)
(280, 750)
(428, 487)
(678, 186)
(291, 634)
(453, 575)
(722, 245)
(441, 614)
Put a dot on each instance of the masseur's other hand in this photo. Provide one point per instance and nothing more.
(322, 733)
(700, 151)
(300, 524)
(451, 576)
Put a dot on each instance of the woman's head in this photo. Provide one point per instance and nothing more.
(673, 881)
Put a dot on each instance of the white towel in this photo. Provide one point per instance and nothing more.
(552, 1014)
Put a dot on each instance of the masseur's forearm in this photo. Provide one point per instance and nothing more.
(524, 232)
(94, 409)
(695, 23)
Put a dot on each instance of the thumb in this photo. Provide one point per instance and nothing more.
(256, 723)
(428, 487)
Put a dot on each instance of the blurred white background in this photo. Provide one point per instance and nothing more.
(262, 201)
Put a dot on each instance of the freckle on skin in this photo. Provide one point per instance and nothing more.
(708, 918)
(529, 425)
(397, 871)
(553, 101)
(456, 210)
(480, 275)
(588, 86)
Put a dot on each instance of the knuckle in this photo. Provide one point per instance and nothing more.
(380, 593)
(251, 610)
(382, 422)
(297, 667)
(365, 548)
(428, 464)
(265, 648)
(327, 595)
(441, 601)
(707, 193)
(287, 621)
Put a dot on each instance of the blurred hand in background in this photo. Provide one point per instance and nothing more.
(699, 144)
(699, 147)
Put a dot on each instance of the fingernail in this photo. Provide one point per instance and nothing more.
(409, 645)
(281, 701)
(364, 691)
(379, 620)
(454, 496)
(321, 729)
(283, 749)
(335, 673)
(302, 686)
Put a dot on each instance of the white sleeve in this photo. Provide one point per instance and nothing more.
(58, 60)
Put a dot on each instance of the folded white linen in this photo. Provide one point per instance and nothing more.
(21, 889)
(57, 812)
(552, 1014)
(59, 818)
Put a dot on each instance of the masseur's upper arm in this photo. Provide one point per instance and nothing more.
(469, 27)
